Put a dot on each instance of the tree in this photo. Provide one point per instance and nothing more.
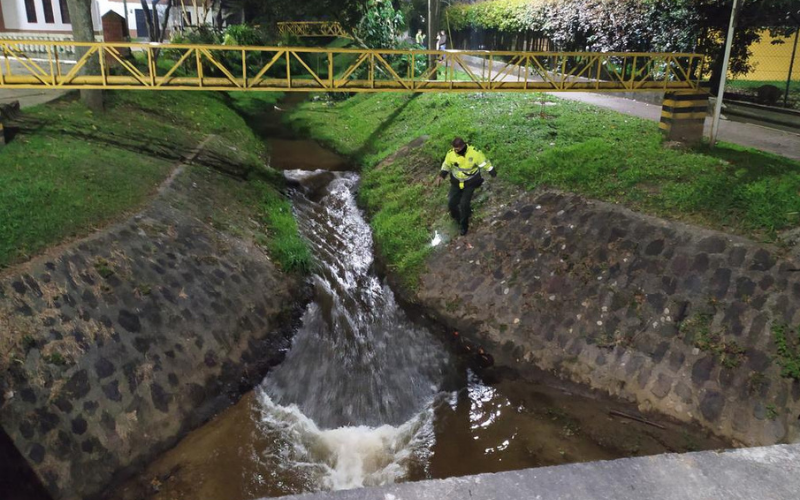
(780, 17)
(80, 14)
(156, 31)
(380, 24)
(346, 12)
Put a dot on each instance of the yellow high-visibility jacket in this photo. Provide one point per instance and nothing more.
(464, 168)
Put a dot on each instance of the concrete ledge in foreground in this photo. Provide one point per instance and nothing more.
(768, 473)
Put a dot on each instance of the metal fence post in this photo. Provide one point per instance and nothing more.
(791, 69)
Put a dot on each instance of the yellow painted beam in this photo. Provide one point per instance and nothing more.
(315, 69)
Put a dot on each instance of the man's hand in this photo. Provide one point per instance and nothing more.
(439, 180)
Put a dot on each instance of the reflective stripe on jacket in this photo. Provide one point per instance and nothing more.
(464, 168)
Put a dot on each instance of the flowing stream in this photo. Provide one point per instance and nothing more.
(353, 401)
(367, 397)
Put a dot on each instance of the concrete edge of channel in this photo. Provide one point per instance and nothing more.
(769, 473)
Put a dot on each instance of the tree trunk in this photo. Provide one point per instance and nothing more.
(80, 14)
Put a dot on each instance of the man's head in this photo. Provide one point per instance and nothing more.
(459, 146)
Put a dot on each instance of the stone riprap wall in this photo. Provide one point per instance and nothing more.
(132, 337)
(676, 318)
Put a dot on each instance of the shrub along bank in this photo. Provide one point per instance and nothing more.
(69, 171)
(542, 141)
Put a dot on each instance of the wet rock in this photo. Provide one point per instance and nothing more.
(662, 386)
(684, 392)
(129, 321)
(159, 398)
(111, 390)
(712, 244)
(659, 352)
(63, 404)
(701, 371)
(79, 426)
(103, 368)
(700, 264)
(19, 287)
(720, 282)
(78, 385)
(36, 453)
(90, 407)
(89, 299)
(762, 261)
(142, 344)
(26, 429)
(676, 360)
(655, 247)
(745, 287)
(46, 421)
(108, 422)
(711, 405)
(736, 256)
(28, 395)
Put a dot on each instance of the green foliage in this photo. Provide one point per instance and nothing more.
(28, 343)
(56, 359)
(285, 245)
(567, 145)
(243, 34)
(772, 411)
(633, 25)
(698, 330)
(380, 24)
(400, 224)
(788, 344)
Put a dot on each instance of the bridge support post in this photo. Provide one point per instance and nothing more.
(683, 114)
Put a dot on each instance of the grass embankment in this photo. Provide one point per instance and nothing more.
(571, 146)
(69, 171)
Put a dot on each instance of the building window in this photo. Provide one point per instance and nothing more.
(62, 4)
(30, 10)
(48, 11)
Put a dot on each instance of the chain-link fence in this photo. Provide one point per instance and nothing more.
(774, 79)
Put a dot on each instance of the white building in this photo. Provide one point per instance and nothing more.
(49, 19)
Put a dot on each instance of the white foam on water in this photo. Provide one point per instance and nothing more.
(346, 457)
(437, 239)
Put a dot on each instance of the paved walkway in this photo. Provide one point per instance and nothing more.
(745, 134)
(755, 136)
(770, 473)
(31, 97)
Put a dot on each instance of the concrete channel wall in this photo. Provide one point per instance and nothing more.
(124, 341)
(770, 473)
(679, 319)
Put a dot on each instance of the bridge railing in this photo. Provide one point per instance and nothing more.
(215, 67)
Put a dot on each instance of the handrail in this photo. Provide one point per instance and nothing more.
(312, 69)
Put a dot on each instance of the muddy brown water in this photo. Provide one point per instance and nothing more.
(368, 396)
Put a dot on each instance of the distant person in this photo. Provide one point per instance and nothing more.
(464, 165)
(420, 38)
(441, 41)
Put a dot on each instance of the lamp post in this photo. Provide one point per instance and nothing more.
(724, 75)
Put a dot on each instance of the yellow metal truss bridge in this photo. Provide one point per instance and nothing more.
(220, 67)
(313, 29)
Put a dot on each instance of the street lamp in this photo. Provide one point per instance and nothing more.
(724, 75)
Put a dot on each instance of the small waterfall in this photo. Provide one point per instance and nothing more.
(353, 401)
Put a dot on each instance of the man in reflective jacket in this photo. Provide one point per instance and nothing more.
(464, 165)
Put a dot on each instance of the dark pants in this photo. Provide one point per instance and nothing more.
(459, 201)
